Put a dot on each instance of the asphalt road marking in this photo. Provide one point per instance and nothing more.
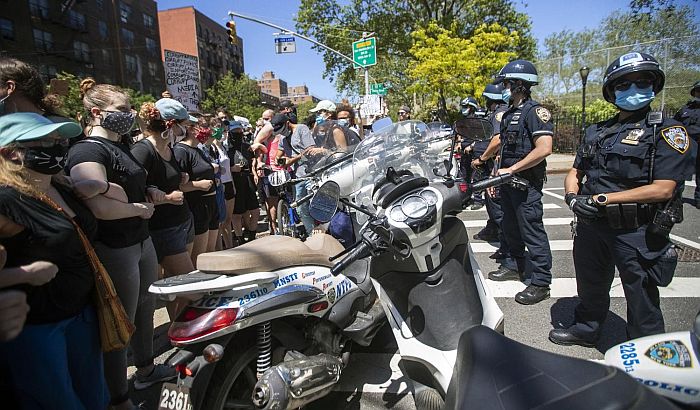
(566, 288)
(685, 241)
(556, 245)
(480, 223)
(546, 192)
(690, 183)
(545, 206)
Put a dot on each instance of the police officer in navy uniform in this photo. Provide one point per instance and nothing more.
(525, 141)
(689, 116)
(624, 191)
(496, 108)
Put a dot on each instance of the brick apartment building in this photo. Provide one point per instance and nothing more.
(276, 87)
(114, 41)
(188, 31)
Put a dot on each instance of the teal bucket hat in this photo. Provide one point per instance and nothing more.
(171, 109)
(29, 126)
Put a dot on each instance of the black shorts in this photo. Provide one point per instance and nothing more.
(246, 200)
(229, 191)
(205, 212)
(173, 240)
(266, 190)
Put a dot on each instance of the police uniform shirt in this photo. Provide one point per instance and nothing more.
(616, 157)
(520, 127)
(689, 116)
(494, 118)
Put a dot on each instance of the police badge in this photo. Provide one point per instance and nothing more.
(672, 353)
(331, 295)
(543, 114)
(633, 137)
(677, 138)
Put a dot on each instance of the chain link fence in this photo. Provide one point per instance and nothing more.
(560, 85)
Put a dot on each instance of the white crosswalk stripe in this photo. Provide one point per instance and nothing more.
(555, 245)
(480, 223)
(544, 206)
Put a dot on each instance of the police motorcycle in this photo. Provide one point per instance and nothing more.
(270, 324)
(666, 363)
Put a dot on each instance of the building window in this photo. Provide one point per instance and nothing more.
(130, 60)
(124, 12)
(148, 21)
(127, 37)
(106, 56)
(47, 72)
(81, 51)
(151, 46)
(39, 8)
(102, 28)
(76, 20)
(152, 68)
(7, 29)
(43, 40)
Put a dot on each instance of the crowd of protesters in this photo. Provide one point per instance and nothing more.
(151, 188)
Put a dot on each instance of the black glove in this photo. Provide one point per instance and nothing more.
(583, 206)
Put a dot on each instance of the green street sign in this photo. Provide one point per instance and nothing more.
(379, 89)
(364, 52)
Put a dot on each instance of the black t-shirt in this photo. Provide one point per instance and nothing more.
(193, 161)
(240, 151)
(124, 170)
(165, 175)
(50, 236)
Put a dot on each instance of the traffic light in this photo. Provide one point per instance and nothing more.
(231, 26)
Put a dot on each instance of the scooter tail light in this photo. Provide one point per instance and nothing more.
(463, 187)
(194, 323)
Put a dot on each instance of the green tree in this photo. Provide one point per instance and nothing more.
(450, 67)
(238, 95)
(338, 23)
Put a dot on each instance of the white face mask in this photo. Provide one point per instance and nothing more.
(169, 134)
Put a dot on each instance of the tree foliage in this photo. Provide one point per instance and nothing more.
(238, 95)
(450, 67)
(338, 23)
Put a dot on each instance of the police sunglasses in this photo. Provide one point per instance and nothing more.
(626, 84)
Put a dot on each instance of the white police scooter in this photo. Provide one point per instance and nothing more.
(667, 363)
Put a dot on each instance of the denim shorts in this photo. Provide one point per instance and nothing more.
(173, 240)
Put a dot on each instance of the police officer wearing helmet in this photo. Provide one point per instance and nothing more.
(524, 143)
(689, 116)
(624, 191)
(496, 108)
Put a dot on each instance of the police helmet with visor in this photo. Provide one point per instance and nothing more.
(629, 63)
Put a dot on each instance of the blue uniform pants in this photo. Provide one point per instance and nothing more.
(523, 227)
(598, 249)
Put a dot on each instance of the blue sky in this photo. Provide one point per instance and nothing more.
(306, 66)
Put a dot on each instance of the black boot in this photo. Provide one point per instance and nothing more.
(571, 336)
(532, 294)
(240, 240)
(503, 274)
(249, 235)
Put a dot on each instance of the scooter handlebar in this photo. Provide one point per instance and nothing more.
(361, 251)
(489, 183)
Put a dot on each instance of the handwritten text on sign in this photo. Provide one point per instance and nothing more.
(182, 78)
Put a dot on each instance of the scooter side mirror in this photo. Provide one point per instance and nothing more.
(324, 204)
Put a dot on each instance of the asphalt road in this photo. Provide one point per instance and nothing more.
(373, 379)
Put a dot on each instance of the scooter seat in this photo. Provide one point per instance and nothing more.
(495, 372)
(271, 253)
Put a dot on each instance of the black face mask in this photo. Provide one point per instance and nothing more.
(236, 136)
(292, 117)
(46, 160)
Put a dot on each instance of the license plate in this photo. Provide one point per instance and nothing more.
(174, 397)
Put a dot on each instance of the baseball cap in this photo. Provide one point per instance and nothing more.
(171, 109)
(235, 125)
(326, 105)
(405, 108)
(29, 126)
(279, 121)
(286, 104)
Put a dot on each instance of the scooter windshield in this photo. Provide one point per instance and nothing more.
(407, 145)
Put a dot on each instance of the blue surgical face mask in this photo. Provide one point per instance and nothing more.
(343, 121)
(634, 98)
(320, 119)
(505, 95)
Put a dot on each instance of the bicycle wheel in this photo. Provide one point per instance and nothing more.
(284, 224)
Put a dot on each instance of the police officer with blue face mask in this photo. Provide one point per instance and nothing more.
(524, 143)
(689, 116)
(625, 190)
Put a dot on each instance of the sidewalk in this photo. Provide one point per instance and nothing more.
(560, 163)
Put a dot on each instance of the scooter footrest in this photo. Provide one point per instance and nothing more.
(366, 325)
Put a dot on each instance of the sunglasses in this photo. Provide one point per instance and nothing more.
(402, 113)
(626, 84)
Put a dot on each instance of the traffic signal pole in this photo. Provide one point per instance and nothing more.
(310, 40)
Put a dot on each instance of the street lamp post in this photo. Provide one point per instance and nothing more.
(584, 78)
